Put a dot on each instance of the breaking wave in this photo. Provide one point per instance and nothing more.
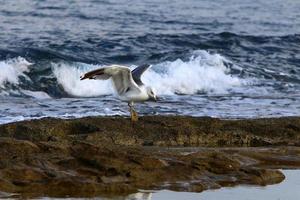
(203, 72)
(68, 77)
(12, 70)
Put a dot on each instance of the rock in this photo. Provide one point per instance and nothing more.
(114, 179)
(96, 156)
(263, 176)
(16, 148)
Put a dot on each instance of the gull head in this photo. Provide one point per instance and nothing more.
(151, 94)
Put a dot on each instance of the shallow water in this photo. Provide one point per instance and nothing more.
(229, 59)
(287, 190)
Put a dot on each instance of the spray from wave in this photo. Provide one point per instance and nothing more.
(203, 72)
(12, 70)
(13, 73)
(68, 76)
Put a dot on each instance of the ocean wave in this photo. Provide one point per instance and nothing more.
(13, 75)
(202, 72)
(12, 70)
(68, 76)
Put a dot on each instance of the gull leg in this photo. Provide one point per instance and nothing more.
(133, 113)
(134, 116)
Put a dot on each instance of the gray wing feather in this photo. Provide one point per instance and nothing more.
(137, 73)
(121, 77)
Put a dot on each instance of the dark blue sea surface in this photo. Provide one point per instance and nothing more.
(222, 58)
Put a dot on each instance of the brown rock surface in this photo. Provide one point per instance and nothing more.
(109, 155)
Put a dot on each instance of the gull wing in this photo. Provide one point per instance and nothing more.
(96, 74)
(137, 73)
(121, 77)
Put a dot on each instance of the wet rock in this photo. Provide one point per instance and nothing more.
(263, 176)
(108, 155)
(114, 179)
(7, 186)
(16, 148)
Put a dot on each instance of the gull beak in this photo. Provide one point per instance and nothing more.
(154, 98)
(82, 77)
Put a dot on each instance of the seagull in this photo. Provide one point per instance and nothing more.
(127, 83)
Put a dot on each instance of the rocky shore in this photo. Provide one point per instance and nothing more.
(98, 156)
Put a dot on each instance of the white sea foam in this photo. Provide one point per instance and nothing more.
(68, 76)
(36, 94)
(203, 72)
(12, 70)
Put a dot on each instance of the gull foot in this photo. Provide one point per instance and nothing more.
(134, 116)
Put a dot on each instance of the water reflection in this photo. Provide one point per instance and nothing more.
(287, 190)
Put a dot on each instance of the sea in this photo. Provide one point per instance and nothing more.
(230, 59)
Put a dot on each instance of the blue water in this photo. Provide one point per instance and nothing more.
(229, 59)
